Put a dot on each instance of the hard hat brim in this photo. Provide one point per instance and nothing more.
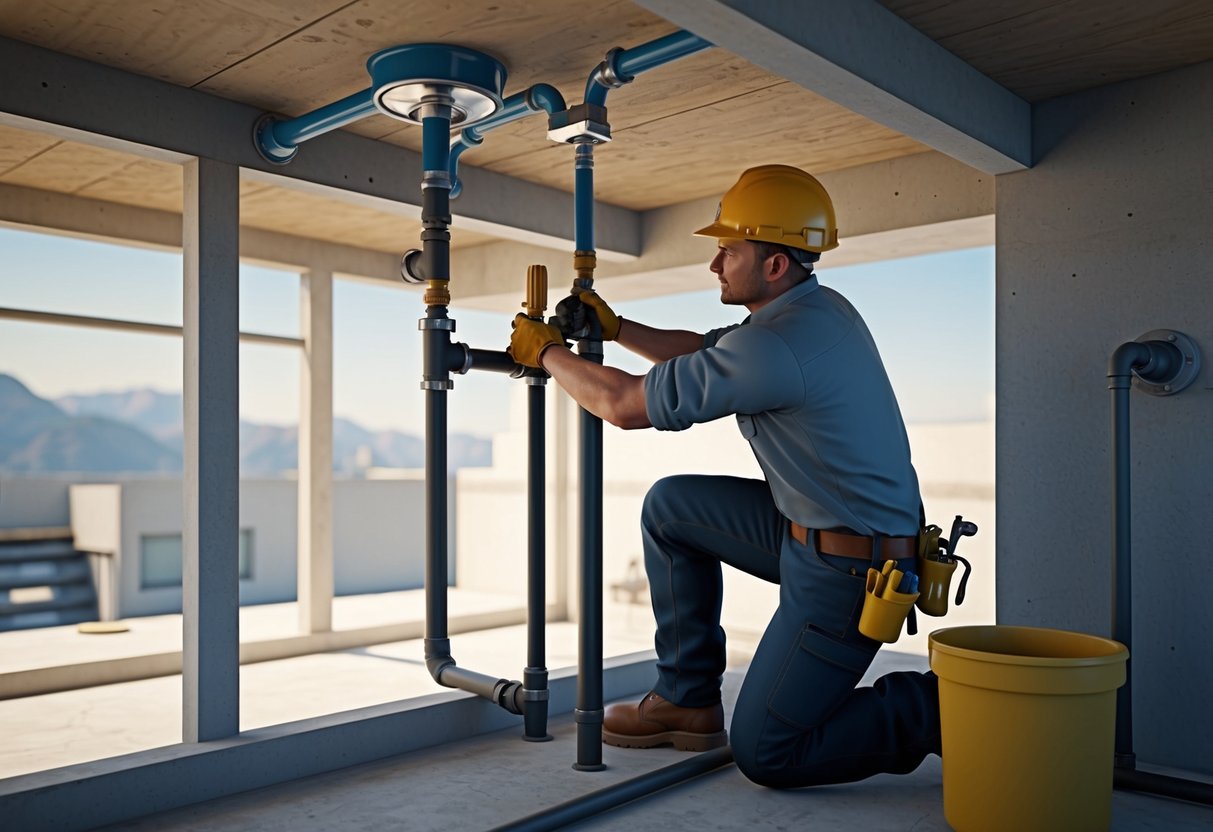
(720, 231)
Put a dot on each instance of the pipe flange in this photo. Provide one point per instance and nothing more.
(1184, 376)
(406, 78)
(268, 147)
(436, 323)
(440, 384)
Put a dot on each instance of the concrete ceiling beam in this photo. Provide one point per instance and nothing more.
(862, 56)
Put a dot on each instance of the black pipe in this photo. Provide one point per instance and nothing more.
(1120, 378)
(1132, 780)
(588, 712)
(1153, 361)
(611, 797)
(535, 676)
(440, 357)
(493, 361)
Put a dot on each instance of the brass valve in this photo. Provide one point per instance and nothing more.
(536, 291)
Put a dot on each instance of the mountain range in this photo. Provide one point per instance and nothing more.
(141, 430)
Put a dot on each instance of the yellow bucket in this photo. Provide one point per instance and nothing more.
(1028, 717)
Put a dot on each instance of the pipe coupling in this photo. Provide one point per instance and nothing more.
(608, 73)
(509, 696)
(436, 179)
(437, 293)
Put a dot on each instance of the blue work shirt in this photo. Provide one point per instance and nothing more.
(811, 395)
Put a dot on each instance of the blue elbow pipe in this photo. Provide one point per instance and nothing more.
(520, 105)
(278, 140)
(621, 67)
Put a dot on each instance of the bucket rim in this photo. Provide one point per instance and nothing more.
(1116, 652)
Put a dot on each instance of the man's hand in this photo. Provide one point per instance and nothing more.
(571, 317)
(606, 316)
(530, 338)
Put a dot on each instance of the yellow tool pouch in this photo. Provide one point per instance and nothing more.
(885, 608)
(935, 568)
(935, 579)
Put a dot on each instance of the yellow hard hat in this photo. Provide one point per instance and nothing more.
(777, 204)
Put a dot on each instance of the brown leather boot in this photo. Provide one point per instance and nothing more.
(653, 721)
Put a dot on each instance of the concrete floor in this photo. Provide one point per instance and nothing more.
(479, 783)
(497, 778)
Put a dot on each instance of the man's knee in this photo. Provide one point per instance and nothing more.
(661, 500)
(761, 762)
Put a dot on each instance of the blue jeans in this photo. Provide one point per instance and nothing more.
(799, 720)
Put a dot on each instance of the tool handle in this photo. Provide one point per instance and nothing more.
(964, 580)
(536, 291)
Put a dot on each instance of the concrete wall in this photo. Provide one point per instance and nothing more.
(377, 526)
(1109, 236)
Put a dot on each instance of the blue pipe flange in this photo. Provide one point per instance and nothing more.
(268, 146)
(406, 77)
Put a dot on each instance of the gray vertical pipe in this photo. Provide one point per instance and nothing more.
(588, 712)
(1122, 572)
(211, 481)
(535, 675)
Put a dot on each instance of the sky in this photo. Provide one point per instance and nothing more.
(932, 317)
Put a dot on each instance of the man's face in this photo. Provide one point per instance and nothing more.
(741, 273)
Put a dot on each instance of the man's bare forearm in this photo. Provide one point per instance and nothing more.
(607, 392)
(657, 344)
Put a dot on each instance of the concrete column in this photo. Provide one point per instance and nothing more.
(315, 550)
(211, 511)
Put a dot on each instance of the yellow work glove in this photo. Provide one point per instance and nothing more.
(606, 316)
(530, 338)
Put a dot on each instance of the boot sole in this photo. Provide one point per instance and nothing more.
(681, 740)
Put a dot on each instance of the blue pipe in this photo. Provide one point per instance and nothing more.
(626, 65)
(520, 105)
(435, 143)
(583, 198)
(278, 141)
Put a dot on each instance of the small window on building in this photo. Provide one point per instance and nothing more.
(160, 559)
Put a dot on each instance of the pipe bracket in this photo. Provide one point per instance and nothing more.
(1178, 378)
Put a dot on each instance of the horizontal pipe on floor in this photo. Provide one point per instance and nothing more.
(611, 797)
(1133, 780)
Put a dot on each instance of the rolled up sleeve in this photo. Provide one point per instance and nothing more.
(749, 369)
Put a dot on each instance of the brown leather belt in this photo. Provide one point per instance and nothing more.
(851, 545)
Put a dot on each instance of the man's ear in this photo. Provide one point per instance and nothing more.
(779, 265)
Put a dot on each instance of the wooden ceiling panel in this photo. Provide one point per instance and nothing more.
(1039, 49)
(180, 41)
(18, 146)
(66, 167)
(537, 41)
(700, 80)
(646, 166)
(142, 182)
(307, 215)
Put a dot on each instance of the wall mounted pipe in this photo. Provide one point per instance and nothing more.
(534, 99)
(1161, 362)
(278, 140)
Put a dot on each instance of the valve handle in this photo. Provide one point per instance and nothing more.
(536, 291)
